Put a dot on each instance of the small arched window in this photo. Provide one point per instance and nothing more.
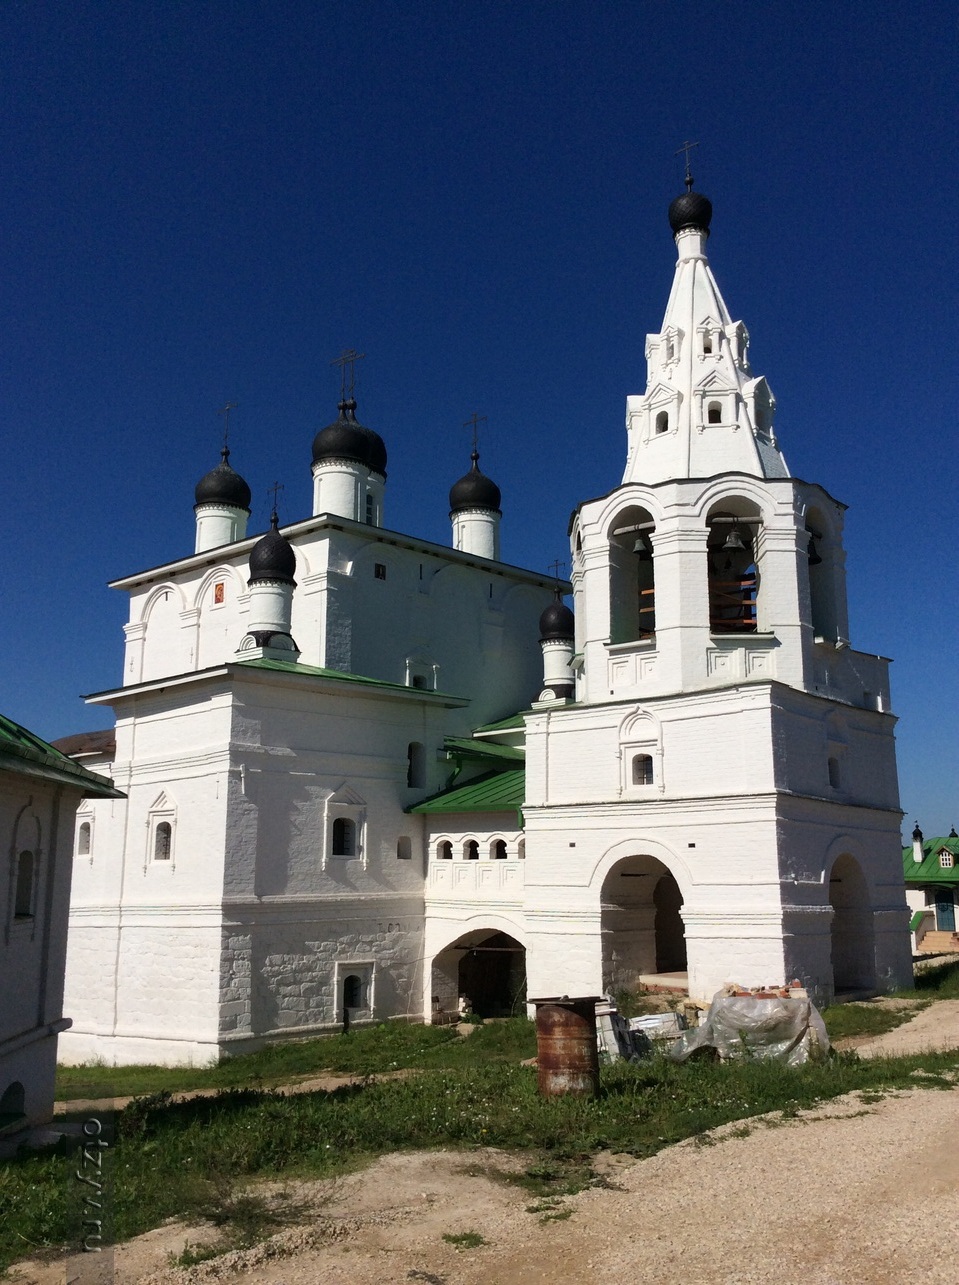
(444, 851)
(714, 413)
(499, 850)
(353, 992)
(471, 850)
(163, 841)
(83, 839)
(415, 765)
(662, 421)
(344, 837)
(23, 902)
(642, 769)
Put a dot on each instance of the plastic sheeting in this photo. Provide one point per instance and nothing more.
(788, 1030)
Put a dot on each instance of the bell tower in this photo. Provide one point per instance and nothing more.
(709, 564)
(719, 802)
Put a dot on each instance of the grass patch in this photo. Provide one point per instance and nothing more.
(191, 1255)
(369, 1051)
(464, 1239)
(868, 1017)
(940, 982)
(188, 1159)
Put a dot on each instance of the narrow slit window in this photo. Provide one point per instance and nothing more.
(23, 901)
(834, 778)
(415, 765)
(162, 841)
(344, 837)
(84, 839)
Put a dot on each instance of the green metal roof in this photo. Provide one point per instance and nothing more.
(466, 747)
(928, 870)
(313, 671)
(514, 720)
(27, 755)
(494, 792)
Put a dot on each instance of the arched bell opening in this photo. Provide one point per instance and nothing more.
(732, 570)
(632, 582)
(852, 933)
(820, 561)
(486, 969)
(644, 935)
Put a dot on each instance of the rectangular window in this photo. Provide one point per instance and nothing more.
(379, 570)
(946, 861)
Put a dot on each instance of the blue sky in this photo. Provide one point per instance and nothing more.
(209, 201)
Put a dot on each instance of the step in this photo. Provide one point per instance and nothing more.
(939, 943)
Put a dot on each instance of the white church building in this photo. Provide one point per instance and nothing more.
(366, 773)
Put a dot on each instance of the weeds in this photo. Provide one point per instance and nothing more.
(191, 1255)
(869, 1017)
(464, 1239)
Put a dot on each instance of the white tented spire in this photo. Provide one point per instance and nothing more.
(703, 411)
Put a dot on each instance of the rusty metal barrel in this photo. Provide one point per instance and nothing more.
(566, 1050)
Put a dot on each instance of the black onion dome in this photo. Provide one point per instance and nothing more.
(272, 557)
(474, 491)
(556, 621)
(690, 210)
(223, 485)
(347, 439)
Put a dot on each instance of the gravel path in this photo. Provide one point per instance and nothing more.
(936, 1027)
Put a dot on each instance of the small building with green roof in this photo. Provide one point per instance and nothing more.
(931, 871)
(40, 790)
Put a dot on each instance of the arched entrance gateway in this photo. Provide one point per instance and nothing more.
(642, 924)
(487, 968)
(853, 937)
